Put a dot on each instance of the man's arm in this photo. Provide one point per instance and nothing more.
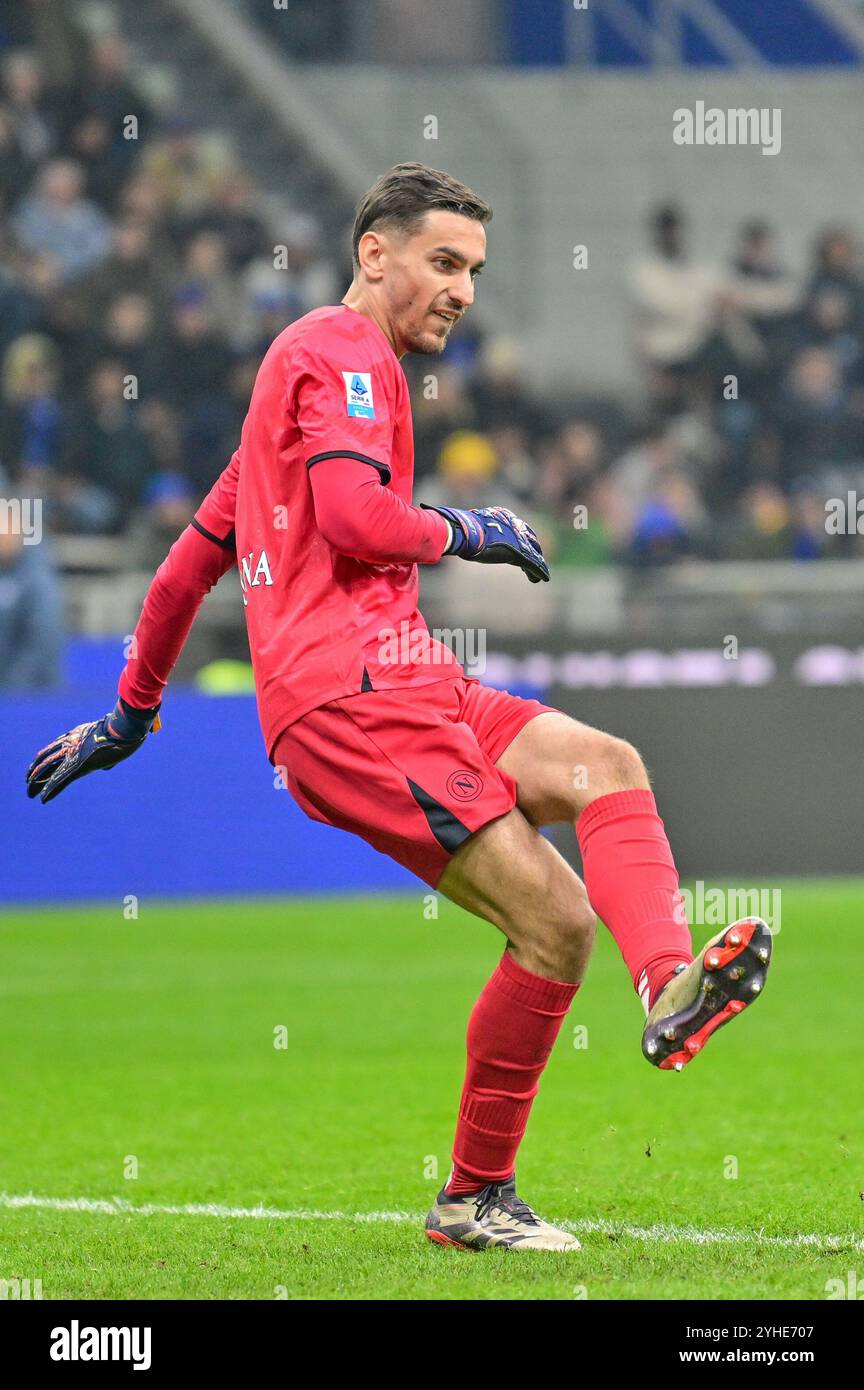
(195, 562)
(187, 574)
(357, 516)
(349, 459)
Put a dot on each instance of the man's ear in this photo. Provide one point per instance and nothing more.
(371, 249)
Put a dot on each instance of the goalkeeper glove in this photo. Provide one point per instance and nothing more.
(100, 744)
(494, 536)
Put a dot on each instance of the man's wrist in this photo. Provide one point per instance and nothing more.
(134, 713)
(127, 722)
(452, 532)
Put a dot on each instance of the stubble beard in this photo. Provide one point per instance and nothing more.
(428, 343)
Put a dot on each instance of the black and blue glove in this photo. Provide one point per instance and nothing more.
(88, 747)
(494, 536)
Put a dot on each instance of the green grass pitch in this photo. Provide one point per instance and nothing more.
(148, 1045)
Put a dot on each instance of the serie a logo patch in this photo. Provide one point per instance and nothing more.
(358, 393)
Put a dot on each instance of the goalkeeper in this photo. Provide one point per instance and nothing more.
(450, 778)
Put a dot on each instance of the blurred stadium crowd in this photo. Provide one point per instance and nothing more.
(141, 281)
(752, 414)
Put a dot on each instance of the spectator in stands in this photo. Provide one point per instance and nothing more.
(170, 505)
(468, 473)
(163, 426)
(517, 464)
(198, 365)
(811, 539)
(674, 300)
(635, 475)
(500, 388)
(813, 422)
(837, 265)
(265, 314)
(196, 358)
(92, 145)
(107, 464)
(32, 416)
(234, 213)
(129, 336)
(184, 168)
(106, 93)
(758, 306)
(764, 290)
(64, 318)
(311, 274)
(294, 274)
(30, 615)
(442, 404)
(671, 523)
(14, 167)
(761, 528)
(145, 200)
(205, 270)
(134, 265)
(56, 218)
(576, 497)
(19, 297)
(24, 97)
(829, 323)
(571, 466)
(757, 315)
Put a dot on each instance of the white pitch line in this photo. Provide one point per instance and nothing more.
(119, 1206)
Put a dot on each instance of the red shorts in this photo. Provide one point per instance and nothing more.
(411, 771)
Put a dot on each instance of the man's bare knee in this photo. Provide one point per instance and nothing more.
(509, 874)
(623, 764)
(556, 939)
(629, 765)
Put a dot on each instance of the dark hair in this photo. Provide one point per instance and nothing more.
(755, 231)
(666, 218)
(402, 197)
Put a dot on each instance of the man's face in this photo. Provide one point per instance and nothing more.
(428, 278)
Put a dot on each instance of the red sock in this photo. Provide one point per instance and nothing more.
(511, 1031)
(632, 885)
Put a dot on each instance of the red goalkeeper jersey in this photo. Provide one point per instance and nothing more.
(330, 610)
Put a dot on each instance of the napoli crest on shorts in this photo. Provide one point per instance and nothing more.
(358, 392)
(464, 786)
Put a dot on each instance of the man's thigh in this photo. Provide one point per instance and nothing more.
(560, 765)
(398, 768)
(528, 740)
